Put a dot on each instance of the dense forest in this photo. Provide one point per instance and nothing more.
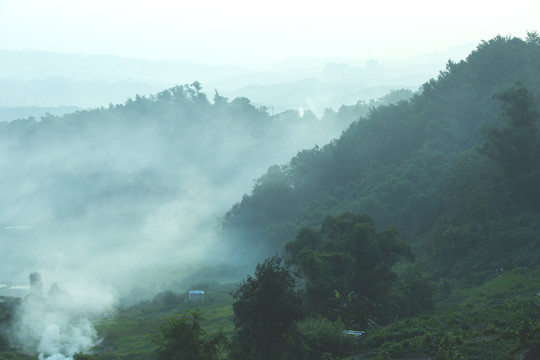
(452, 169)
(417, 227)
(453, 172)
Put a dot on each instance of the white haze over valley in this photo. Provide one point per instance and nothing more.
(93, 214)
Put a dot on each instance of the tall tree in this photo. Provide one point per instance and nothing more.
(516, 147)
(265, 312)
(183, 338)
(533, 37)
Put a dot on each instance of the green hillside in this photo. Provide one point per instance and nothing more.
(455, 173)
(424, 167)
(418, 227)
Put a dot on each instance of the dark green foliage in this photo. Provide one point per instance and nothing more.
(265, 312)
(492, 196)
(474, 254)
(183, 338)
(274, 195)
(453, 174)
(347, 266)
(533, 38)
(320, 338)
(167, 299)
(81, 356)
(414, 293)
(457, 177)
(8, 306)
(468, 190)
(415, 165)
(497, 320)
(516, 147)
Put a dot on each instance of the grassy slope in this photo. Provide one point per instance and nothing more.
(497, 320)
(12, 355)
(128, 335)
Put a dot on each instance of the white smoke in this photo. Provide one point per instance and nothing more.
(58, 325)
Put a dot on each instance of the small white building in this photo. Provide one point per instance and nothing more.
(354, 333)
(196, 295)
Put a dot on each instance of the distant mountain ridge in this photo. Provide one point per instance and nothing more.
(30, 65)
(36, 78)
(14, 113)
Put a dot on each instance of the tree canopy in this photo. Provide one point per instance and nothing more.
(183, 338)
(265, 312)
(347, 266)
(415, 165)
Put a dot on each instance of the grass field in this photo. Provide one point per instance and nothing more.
(129, 333)
(498, 320)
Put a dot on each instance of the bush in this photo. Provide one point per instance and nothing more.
(321, 338)
(182, 337)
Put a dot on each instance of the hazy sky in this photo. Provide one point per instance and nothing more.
(247, 31)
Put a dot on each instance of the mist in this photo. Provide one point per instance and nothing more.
(102, 196)
(109, 202)
(116, 178)
(99, 202)
(56, 324)
(77, 82)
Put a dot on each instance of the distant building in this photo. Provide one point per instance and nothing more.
(354, 333)
(196, 295)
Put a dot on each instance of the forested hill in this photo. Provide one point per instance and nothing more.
(452, 169)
